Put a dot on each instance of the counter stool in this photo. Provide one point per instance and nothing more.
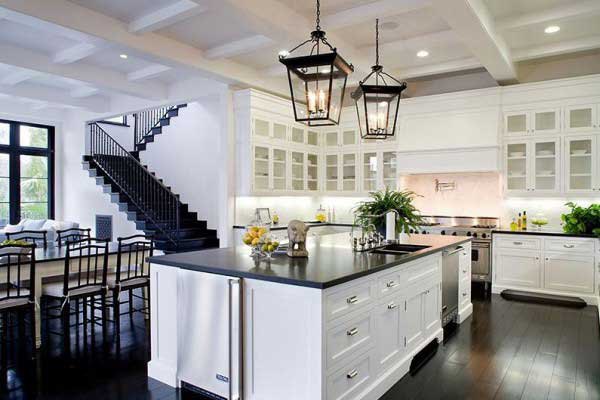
(133, 272)
(72, 235)
(17, 295)
(40, 238)
(84, 281)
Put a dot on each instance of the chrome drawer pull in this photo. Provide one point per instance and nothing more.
(391, 284)
(518, 243)
(464, 294)
(392, 305)
(352, 300)
(568, 246)
(352, 332)
(352, 374)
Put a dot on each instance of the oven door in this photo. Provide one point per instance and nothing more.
(480, 262)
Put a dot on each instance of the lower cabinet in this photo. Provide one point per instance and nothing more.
(389, 342)
(518, 268)
(569, 273)
(421, 316)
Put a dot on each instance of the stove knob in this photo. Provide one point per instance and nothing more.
(474, 234)
(468, 233)
(484, 235)
(442, 232)
(411, 231)
(453, 233)
(424, 233)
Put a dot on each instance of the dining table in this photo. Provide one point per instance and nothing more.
(50, 266)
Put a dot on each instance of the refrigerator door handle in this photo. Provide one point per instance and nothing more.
(235, 339)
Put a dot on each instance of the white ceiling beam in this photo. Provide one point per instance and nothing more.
(147, 72)
(150, 46)
(556, 49)
(103, 78)
(84, 91)
(474, 25)
(561, 13)
(436, 69)
(166, 16)
(17, 77)
(74, 53)
(55, 96)
(237, 47)
(372, 10)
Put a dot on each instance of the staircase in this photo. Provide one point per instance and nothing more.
(145, 199)
(149, 123)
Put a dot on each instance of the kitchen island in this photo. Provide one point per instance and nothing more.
(335, 325)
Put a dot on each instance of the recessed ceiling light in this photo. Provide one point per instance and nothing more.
(123, 56)
(422, 53)
(552, 29)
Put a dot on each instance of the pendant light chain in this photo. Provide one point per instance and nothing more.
(318, 15)
(377, 41)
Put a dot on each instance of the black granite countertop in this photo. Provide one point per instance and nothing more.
(309, 223)
(543, 233)
(331, 261)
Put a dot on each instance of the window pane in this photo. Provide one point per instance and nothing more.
(4, 214)
(34, 210)
(34, 167)
(34, 190)
(4, 165)
(4, 133)
(33, 137)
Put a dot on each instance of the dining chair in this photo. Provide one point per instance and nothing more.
(17, 296)
(40, 238)
(72, 235)
(132, 272)
(84, 282)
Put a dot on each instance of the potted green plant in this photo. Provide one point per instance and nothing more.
(382, 202)
(582, 220)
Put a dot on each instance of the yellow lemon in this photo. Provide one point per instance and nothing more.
(255, 242)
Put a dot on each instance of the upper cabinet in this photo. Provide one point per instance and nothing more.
(581, 164)
(582, 118)
(536, 122)
(532, 166)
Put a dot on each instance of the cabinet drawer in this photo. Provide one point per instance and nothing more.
(347, 382)
(518, 242)
(389, 283)
(349, 299)
(349, 338)
(570, 245)
(424, 270)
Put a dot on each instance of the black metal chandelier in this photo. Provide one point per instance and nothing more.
(317, 80)
(377, 104)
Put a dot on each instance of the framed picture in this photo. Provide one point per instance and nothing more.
(265, 215)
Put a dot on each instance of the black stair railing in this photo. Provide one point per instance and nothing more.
(153, 199)
(146, 121)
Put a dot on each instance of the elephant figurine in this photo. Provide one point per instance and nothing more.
(297, 231)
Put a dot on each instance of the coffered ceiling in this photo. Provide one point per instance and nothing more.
(86, 53)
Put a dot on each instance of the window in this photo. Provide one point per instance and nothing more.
(26, 171)
(120, 120)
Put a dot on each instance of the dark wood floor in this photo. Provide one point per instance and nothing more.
(507, 350)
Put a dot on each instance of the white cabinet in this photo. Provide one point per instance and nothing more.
(432, 308)
(413, 320)
(349, 172)
(269, 169)
(548, 264)
(581, 164)
(389, 340)
(332, 172)
(370, 163)
(582, 118)
(520, 268)
(569, 272)
(532, 166)
(379, 170)
(538, 122)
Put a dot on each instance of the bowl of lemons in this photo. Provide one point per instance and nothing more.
(256, 237)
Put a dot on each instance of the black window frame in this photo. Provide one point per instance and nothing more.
(14, 151)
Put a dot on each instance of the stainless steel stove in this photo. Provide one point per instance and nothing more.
(478, 228)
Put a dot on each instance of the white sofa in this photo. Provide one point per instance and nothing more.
(48, 225)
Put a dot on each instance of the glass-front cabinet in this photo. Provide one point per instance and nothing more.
(332, 172)
(270, 169)
(516, 123)
(539, 122)
(517, 167)
(533, 166)
(279, 169)
(262, 168)
(312, 172)
(580, 163)
(390, 170)
(379, 170)
(297, 170)
(369, 174)
(582, 118)
(349, 169)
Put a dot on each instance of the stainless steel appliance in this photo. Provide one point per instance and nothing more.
(450, 271)
(478, 228)
(210, 342)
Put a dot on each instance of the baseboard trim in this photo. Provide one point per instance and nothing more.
(163, 372)
(465, 313)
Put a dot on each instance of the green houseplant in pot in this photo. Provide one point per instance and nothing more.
(582, 220)
(384, 201)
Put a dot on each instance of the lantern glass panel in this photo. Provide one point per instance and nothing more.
(381, 110)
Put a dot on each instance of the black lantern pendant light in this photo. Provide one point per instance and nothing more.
(377, 103)
(317, 80)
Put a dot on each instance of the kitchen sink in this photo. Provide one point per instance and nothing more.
(399, 249)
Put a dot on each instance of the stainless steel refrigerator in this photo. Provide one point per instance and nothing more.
(210, 339)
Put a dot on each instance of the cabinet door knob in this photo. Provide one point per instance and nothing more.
(391, 306)
(352, 332)
(352, 374)
(352, 300)
(569, 246)
(391, 284)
